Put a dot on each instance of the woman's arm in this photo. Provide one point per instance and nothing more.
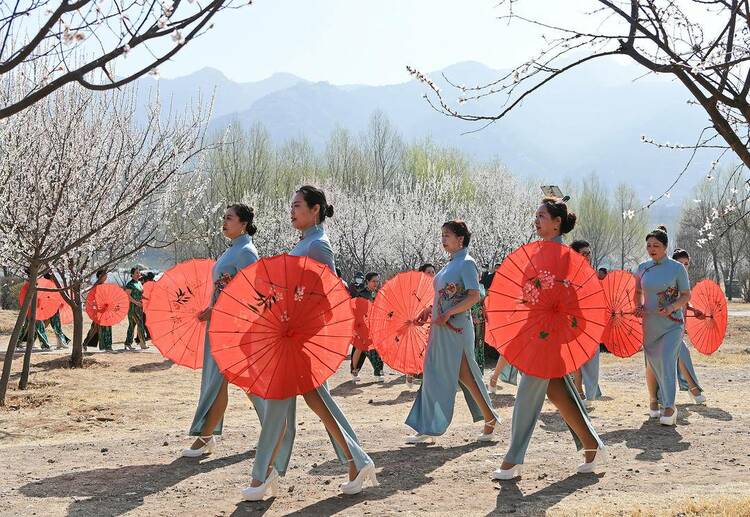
(472, 297)
(678, 304)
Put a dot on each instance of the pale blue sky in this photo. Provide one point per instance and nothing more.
(358, 41)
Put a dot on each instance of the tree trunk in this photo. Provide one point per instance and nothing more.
(76, 355)
(5, 288)
(8, 362)
(30, 337)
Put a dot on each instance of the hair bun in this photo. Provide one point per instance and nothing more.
(251, 229)
(569, 223)
(662, 228)
(329, 211)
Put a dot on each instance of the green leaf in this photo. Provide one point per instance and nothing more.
(543, 334)
(574, 322)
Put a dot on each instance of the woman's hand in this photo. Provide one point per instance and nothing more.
(666, 311)
(205, 314)
(639, 311)
(699, 314)
(424, 316)
(442, 319)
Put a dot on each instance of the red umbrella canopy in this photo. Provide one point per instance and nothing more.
(174, 302)
(546, 310)
(282, 326)
(623, 334)
(400, 342)
(66, 314)
(361, 308)
(107, 304)
(47, 302)
(707, 333)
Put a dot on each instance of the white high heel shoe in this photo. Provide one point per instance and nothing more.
(506, 474)
(669, 420)
(409, 381)
(488, 437)
(209, 446)
(588, 467)
(654, 413)
(420, 438)
(256, 493)
(700, 398)
(364, 477)
(492, 390)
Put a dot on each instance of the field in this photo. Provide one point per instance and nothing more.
(105, 441)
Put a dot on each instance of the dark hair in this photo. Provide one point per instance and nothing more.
(314, 196)
(424, 267)
(134, 269)
(246, 214)
(660, 234)
(100, 273)
(603, 269)
(338, 272)
(579, 244)
(557, 208)
(460, 229)
(369, 276)
(680, 253)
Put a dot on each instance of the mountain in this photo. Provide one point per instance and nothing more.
(588, 120)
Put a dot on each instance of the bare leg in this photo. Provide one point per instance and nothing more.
(356, 354)
(467, 379)
(313, 400)
(692, 386)
(557, 393)
(501, 363)
(578, 381)
(652, 384)
(214, 415)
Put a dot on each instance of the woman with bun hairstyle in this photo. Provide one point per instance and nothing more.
(661, 293)
(686, 376)
(238, 227)
(450, 361)
(552, 221)
(309, 211)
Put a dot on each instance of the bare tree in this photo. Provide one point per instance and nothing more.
(702, 44)
(82, 41)
(384, 148)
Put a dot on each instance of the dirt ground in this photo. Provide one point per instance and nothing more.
(105, 441)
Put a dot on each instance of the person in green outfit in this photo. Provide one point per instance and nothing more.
(99, 333)
(40, 333)
(477, 317)
(372, 283)
(54, 321)
(134, 288)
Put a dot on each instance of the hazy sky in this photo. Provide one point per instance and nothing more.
(369, 42)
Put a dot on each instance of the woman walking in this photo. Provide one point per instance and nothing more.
(450, 360)
(309, 211)
(99, 334)
(134, 288)
(370, 290)
(662, 292)
(208, 421)
(552, 221)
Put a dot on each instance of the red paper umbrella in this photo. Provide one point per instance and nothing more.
(149, 286)
(66, 314)
(281, 327)
(174, 302)
(623, 335)
(400, 342)
(47, 302)
(107, 304)
(546, 310)
(361, 339)
(707, 333)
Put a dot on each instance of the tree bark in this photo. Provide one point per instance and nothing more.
(76, 355)
(8, 362)
(30, 337)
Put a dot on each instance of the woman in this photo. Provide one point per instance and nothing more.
(450, 358)
(134, 288)
(552, 221)
(54, 321)
(662, 291)
(99, 333)
(208, 421)
(686, 376)
(309, 211)
(372, 283)
(587, 376)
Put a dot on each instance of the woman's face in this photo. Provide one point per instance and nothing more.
(232, 226)
(136, 275)
(546, 226)
(373, 283)
(684, 261)
(586, 252)
(430, 271)
(303, 217)
(655, 249)
(451, 242)
(102, 279)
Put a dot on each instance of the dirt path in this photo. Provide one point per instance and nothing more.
(104, 441)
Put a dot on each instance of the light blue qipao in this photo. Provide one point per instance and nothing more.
(662, 282)
(687, 362)
(240, 254)
(528, 406)
(432, 411)
(280, 415)
(590, 377)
